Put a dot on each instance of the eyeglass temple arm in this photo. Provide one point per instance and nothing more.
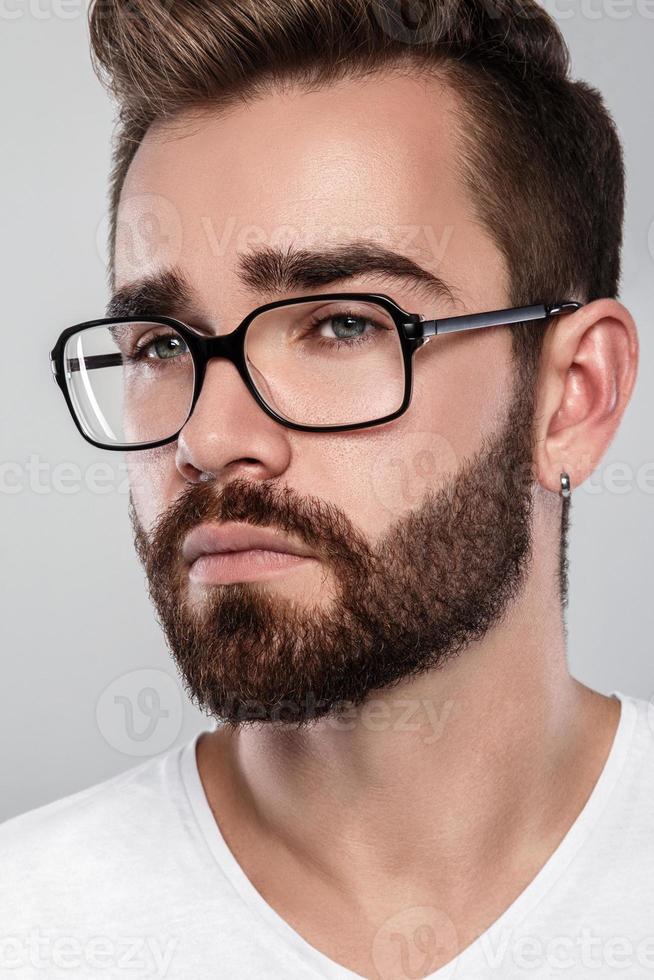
(495, 318)
(91, 361)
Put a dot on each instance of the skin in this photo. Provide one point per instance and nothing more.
(442, 819)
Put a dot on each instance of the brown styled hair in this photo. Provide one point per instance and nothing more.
(541, 155)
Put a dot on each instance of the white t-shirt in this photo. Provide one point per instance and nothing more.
(132, 878)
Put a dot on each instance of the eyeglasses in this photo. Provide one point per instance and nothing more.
(325, 363)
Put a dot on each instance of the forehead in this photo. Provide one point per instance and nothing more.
(371, 158)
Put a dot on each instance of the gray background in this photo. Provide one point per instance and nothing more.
(78, 629)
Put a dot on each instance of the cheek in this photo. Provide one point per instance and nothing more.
(398, 468)
(459, 396)
(152, 476)
(462, 387)
(378, 475)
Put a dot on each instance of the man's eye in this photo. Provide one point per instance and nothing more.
(162, 348)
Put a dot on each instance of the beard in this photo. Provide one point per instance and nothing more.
(440, 577)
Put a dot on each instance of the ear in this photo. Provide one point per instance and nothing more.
(587, 374)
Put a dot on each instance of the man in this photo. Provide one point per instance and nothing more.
(353, 519)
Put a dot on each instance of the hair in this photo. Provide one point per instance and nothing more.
(540, 153)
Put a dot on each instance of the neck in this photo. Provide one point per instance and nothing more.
(455, 774)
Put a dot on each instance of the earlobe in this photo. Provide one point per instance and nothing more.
(588, 371)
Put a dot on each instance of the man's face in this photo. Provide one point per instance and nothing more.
(420, 529)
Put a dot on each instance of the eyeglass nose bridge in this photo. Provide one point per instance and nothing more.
(229, 347)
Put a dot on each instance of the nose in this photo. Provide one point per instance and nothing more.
(228, 426)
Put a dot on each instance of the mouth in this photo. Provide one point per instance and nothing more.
(237, 552)
(249, 565)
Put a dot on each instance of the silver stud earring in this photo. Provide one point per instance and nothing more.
(565, 485)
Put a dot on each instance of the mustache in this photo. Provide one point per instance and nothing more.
(319, 524)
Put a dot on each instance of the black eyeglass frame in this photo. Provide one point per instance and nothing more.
(413, 332)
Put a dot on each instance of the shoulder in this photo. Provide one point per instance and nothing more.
(627, 799)
(62, 853)
(638, 766)
(96, 810)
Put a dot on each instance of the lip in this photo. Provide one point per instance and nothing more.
(243, 566)
(216, 539)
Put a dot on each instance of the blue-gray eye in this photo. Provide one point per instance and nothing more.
(165, 348)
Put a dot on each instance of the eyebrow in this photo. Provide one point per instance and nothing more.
(272, 270)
